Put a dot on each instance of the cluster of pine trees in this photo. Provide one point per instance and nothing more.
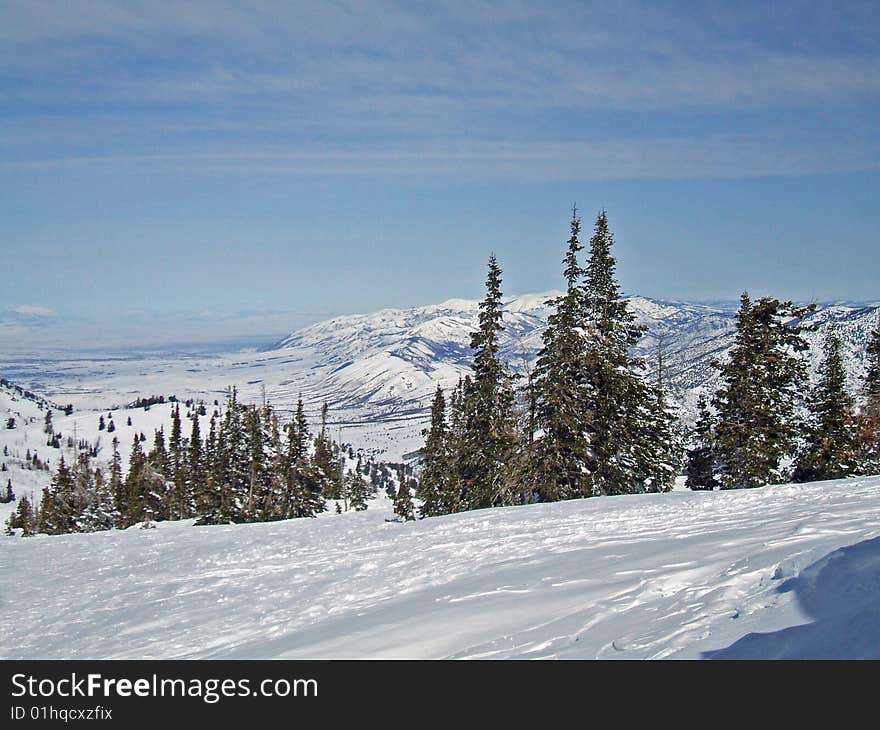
(587, 421)
(754, 431)
(249, 468)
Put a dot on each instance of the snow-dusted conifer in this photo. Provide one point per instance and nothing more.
(490, 425)
(763, 378)
(560, 460)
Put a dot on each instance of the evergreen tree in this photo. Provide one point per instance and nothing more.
(829, 449)
(259, 478)
(100, 513)
(56, 515)
(158, 456)
(195, 475)
(630, 434)
(178, 500)
(403, 506)
(358, 491)
(763, 376)
(304, 482)
(10, 495)
(140, 505)
(22, 519)
(700, 469)
(207, 497)
(561, 459)
(869, 417)
(117, 485)
(490, 425)
(234, 469)
(325, 462)
(438, 489)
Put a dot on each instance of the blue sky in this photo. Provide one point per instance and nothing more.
(264, 164)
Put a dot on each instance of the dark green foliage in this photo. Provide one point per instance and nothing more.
(438, 488)
(829, 450)
(158, 456)
(591, 422)
(763, 378)
(56, 514)
(326, 461)
(179, 501)
(489, 434)
(700, 469)
(403, 505)
(195, 467)
(630, 427)
(24, 518)
(358, 490)
(560, 461)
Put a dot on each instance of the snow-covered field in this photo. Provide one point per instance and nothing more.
(795, 569)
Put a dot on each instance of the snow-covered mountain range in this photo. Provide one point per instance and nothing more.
(390, 362)
(379, 371)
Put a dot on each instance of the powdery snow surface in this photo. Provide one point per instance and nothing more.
(784, 571)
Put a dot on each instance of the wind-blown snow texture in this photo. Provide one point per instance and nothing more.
(749, 573)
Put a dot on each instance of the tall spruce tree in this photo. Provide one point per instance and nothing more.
(630, 427)
(234, 469)
(561, 460)
(207, 497)
(259, 481)
(117, 485)
(195, 467)
(830, 441)
(177, 501)
(304, 496)
(762, 380)
(490, 424)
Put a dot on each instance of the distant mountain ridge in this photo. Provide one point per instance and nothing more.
(378, 372)
(391, 361)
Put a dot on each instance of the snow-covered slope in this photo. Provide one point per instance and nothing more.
(790, 570)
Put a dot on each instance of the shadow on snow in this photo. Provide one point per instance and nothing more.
(841, 593)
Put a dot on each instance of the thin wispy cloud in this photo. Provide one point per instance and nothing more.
(333, 76)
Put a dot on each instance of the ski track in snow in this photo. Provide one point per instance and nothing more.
(650, 576)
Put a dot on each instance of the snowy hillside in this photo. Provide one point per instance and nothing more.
(378, 371)
(783, 571)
